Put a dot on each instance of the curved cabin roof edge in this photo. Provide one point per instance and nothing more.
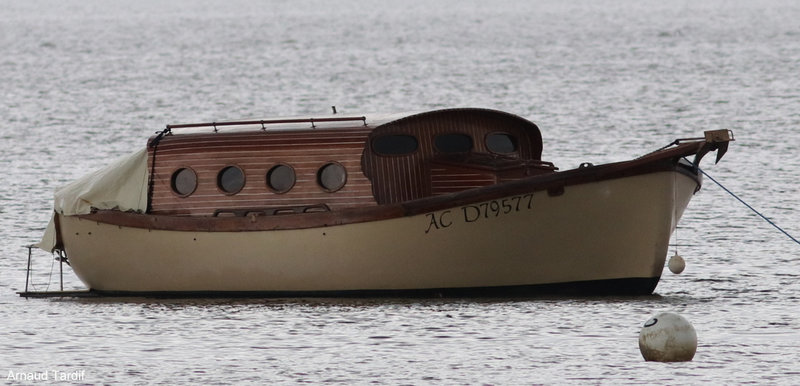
(534, 134)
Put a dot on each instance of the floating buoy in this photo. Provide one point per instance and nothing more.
(676, 264)
(668, 337)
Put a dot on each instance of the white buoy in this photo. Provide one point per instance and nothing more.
(676, 264)
(668, 337)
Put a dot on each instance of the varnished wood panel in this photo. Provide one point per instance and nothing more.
(371, 179)
(256, 152)
(449, 179)
(408, 177)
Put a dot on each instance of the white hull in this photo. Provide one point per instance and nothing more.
(601, 231)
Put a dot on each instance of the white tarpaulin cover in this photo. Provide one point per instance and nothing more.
(121, 185)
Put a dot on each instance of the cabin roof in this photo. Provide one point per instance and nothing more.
(368, 160)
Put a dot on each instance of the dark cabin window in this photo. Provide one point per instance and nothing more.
(501, 143)
(453, 143)
(281, 178)
(184, 182)
(398, 144)
(332, 176)
(230, 179)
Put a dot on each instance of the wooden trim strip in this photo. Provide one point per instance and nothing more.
(268, 122)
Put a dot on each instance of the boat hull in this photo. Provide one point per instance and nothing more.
(609, 236)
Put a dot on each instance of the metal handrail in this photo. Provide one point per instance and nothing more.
(263, 122)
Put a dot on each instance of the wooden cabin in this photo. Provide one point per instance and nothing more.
(307, 165)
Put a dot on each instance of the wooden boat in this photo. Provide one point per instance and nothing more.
(446, 202)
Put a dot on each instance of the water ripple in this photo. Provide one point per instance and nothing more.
(85, 82)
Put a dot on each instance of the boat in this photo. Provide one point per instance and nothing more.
(451, 202)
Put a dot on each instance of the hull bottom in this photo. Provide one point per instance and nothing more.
(610, 287)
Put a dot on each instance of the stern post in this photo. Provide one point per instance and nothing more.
(61, 270)
(28, 270)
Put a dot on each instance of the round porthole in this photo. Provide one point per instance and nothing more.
(332, 176)
(281, 178)
(183, 182)
(501, 143)
(230, 179)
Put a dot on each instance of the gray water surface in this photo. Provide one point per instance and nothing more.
(86, 81)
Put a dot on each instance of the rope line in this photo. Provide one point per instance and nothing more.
(749, 207)
(675, 214)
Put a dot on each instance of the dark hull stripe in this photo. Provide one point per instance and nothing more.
(612, 287)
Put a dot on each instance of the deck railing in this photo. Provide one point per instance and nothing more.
(264, 123)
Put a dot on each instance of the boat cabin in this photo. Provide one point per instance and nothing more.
(321, 164)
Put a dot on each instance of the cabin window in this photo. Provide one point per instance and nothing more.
(332, 176)
(230, 179)
(281, 178)
(397, 144)
(453, 143)
(184, 182)
(501, 143)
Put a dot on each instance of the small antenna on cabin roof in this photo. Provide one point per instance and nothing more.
(334, 109)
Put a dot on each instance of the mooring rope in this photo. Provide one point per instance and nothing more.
(675, 214)
(749, 207)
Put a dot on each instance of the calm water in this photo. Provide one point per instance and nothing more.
(85, 81)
